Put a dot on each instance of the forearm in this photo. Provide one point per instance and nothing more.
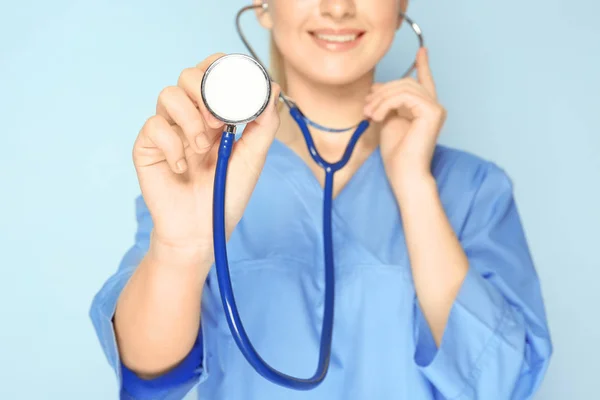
(439, 264)
(158, 313)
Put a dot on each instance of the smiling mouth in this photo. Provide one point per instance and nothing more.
(337, 40)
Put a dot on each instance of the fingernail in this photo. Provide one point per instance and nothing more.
(182, 165)
(276, 97)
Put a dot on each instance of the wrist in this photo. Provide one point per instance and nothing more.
(197, 256)
(413, 186)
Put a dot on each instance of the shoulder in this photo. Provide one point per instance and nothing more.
(471, 188)
(454, 167)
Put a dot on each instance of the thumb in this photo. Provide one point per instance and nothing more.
(259, 134)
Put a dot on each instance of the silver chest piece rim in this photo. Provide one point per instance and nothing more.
(236, 89)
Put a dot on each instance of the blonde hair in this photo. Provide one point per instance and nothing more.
(276, 67)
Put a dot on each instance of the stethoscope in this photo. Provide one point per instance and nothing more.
(249, 80)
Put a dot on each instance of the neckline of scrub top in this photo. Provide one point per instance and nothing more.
(366, 183)
(358, 175)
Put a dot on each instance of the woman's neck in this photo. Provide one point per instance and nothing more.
(330, 106)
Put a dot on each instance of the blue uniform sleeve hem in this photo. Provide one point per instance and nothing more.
(173, 385)
(473, 329)
(101, 313)
(186, 374)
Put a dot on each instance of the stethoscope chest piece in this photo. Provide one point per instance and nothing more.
(236, 89)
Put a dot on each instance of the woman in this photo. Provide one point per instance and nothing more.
(436, 294)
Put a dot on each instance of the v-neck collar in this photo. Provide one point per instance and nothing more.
(346, 207)
(278, 147)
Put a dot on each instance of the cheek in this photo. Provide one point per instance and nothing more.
(288, 41)
(380, 41)
(382, 17)
(292, 40)
(288, 26)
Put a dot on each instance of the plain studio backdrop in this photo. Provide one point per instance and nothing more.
(78, 79)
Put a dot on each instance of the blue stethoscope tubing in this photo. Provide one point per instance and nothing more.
(222, 266)
(219, 233)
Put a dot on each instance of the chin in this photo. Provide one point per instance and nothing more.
(334, 69)
(337, 67)
(337, 80)
(341, 75)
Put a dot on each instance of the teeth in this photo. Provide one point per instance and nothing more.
(337, 38)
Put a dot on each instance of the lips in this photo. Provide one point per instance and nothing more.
(337, 39)
(337, 35)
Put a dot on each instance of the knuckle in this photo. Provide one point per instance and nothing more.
(186, 76)
(439, 111)
(165, 95)
(168, 93)
(153, 125)
(213, 57)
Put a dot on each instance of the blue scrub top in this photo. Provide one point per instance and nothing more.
(496, 344)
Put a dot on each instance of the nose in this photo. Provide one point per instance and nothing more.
(338, 9)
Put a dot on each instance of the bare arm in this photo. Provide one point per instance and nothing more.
(439, 264)
(158, 313)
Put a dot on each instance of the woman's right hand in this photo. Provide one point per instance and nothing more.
(175, 156)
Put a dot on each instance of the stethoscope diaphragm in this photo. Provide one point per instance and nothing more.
(236, 89)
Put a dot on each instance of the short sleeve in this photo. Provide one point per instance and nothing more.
(496, 343)
(177, 382)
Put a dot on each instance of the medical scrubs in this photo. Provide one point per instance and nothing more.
(496, 343)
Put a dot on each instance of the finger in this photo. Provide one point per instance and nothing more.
(390, 87)
(375, 89)
(204, 64)
(158, 134)
(259, 134)
(252, 148)
(177, 109)
(376, 86)
(391, 92)
(193, 83)
(190, 80)
(266, 117)
(424, 75)
(415, 103)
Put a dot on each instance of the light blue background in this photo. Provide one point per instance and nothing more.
(78, 79)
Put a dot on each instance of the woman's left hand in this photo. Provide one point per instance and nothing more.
(411, 119)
